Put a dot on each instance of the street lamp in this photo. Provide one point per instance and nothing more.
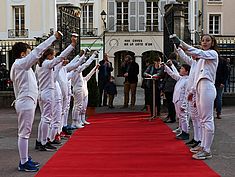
(103, 17)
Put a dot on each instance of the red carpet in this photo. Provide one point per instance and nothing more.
(124, 145)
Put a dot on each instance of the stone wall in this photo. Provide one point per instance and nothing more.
(228, 99)
(6, 98)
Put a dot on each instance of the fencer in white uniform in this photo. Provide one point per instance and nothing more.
(191, 99)
(57, 108)
(47, 88)
(26, 94)
(85, 94)
(179, 96)
(65, 85)
(77, 83)
(205, 74)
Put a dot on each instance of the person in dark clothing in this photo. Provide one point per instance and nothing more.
(111, 90)
(104, 74)
(155, 70)
(144, 86)
(5, 82)
(4, 73)
(222, 74)
(130, 70)
(226, 87)
(169, 85)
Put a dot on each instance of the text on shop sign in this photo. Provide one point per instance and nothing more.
(136, 42)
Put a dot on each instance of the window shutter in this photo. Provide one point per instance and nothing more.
(111, 16)
(161, 15)
(133, 15)
(141, 17)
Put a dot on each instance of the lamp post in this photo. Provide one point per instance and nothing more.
(103, 17)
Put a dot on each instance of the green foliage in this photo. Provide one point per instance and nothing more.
(93, 91)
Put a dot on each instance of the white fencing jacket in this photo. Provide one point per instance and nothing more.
(193, 63)
(77, 77)
(45, 73)
(180, 86)
(22, 75)
(64, 70)
(207, 64)
(86, 79)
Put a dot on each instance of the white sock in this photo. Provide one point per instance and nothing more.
(53, 132)
(196, 130)
(203, 136)
(65, 120)
(208, 140)
(45, 130)
(184, 125)
(80, 119)
(39, 139)
(23, 149)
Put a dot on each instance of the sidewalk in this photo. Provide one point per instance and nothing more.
(223, 149)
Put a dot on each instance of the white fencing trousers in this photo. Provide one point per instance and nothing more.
(66, 113)
(205, 95)
(23, 145)
(85, 103)
(64, 105)
(83, 116)
(55, 126)
(182, 115)
(25, 109)
(195, 120)
(78, 105)
(46, 103)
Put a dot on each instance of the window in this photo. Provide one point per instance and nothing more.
(137, 15)
(87, 18)
(122, 16)
(152, 16)
(215, 24)
(214, 1)
(19, 20)
(111, 16)
(133, 15)
(186, 13)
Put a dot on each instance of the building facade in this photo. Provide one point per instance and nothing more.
(218, 20)
(26, 21)
(135, 27)
(218, 17)
(132, 27)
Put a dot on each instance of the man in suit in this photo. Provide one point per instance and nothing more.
(104, 74)
(130, 70)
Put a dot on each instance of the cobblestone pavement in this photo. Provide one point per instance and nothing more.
(223, 161)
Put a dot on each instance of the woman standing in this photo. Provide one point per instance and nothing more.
(205, 74)
(26, 93)
(48, 94)
(158, 71)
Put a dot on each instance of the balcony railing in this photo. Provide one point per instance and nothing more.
(17, 33)
(89, 32)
